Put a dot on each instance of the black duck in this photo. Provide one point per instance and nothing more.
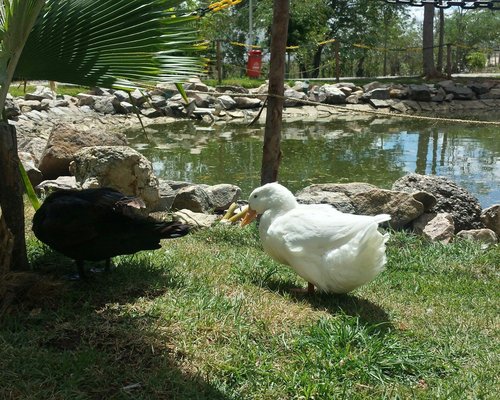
(97, 224)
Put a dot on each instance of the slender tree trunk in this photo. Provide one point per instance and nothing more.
(428, 42)
(6, 245)
(439, 66)
(317, 62)
(11, 200)
(271, 156)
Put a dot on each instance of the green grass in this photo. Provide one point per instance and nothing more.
(18, 90)
(210, 316)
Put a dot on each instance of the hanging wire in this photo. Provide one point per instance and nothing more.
(490, 4)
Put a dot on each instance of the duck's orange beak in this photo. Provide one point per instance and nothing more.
(249, 217)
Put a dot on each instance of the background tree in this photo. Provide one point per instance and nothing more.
(429, 67)
(472, 31)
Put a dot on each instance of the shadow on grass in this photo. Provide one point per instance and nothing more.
(348, 304)
(101, 338)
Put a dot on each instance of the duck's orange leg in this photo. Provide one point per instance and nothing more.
(309, 290)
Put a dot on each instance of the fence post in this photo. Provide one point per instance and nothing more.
(219, 64)
(337, 61)
(448, 60)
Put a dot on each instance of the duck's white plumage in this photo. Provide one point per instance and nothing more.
(334, 251)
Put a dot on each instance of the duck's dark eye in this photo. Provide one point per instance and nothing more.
(254, 196)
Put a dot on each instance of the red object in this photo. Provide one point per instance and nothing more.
(254, 63)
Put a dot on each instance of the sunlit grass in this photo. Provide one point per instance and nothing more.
(210, 316)
(19, 89)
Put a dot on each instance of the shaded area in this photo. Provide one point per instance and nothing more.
(90, 344)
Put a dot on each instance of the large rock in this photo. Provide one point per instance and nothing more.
(366, 199)
(485, 236)
(28, 161)
(223, 195)
(339, 201)
(333, 95)
(402, 207)
(490, 217)
(120, 167)
(420, 93)
(196, 220)
(44, 188)
(435, 227)
(40, 93)
(337, 195)
(67, 139)
(194, 198)
(451, 198)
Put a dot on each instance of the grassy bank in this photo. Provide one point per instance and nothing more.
(210, 316)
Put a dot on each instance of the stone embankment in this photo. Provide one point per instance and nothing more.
(34, 112)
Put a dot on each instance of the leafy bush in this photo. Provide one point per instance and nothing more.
(476, 61)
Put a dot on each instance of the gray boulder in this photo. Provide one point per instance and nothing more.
(419, 93)
(12, 109)
(402, 207)
(222, 196)
(194, 198)
(435, 227)
(366, 199)
(120, 167)
(195, 219)
(490, 217)
(29, 164)
(40, 93)
(460, 92)
(234, 89)
(227, 102)
(332, 94)
(339, 201)
(293, 97)
(450, 197)
(106, 104)
(247, 102)
(46, 187)
(377, 94)
(485, 236)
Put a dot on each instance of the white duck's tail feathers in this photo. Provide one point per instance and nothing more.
(356, 263)
(382, 218)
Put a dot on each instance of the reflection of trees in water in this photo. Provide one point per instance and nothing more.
(378, 152)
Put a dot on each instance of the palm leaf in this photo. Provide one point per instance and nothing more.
(110, 43)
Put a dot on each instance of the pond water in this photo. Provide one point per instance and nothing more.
(346, 149)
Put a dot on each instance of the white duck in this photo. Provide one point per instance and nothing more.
(334, 251)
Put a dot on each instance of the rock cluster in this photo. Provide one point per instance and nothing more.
(432, 206)
(229, 102)
(77, 145)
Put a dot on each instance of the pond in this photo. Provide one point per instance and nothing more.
(345, 149)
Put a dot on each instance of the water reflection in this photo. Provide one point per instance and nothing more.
(377, 151)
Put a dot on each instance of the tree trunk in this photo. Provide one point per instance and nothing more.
(271, 156)
(428, 42)
(11, 200)
(439, 66)
(317, 62)
(6, 245)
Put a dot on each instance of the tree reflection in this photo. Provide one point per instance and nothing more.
(373, 151)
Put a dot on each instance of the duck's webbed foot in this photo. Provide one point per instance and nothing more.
(81, 274)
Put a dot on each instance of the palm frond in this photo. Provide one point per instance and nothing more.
(110, 43)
